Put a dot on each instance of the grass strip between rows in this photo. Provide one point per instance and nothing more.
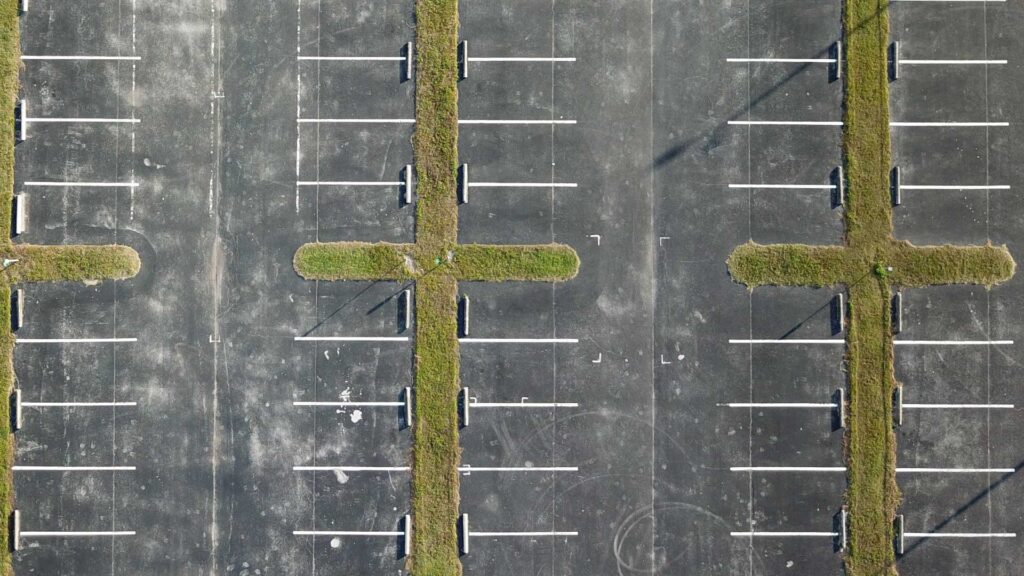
(436, 452)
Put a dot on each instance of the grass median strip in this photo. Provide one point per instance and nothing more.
(34, 263)
(437, 263)
(870, 264)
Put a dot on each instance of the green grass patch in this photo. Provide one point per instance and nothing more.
(72, 263)
(551, 263)
(353, 261)
(931, 265)
(754, 264)
(869, 265)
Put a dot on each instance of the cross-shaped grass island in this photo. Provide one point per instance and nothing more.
(436, 262)
(869, 265)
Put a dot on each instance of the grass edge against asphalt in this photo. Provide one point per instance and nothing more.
(870, 264)
(436, 449)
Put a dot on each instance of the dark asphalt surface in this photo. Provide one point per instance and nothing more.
(218, 213)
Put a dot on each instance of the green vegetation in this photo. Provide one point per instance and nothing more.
(353, 261)
(35, 263)
(437, 263)
(870, 264)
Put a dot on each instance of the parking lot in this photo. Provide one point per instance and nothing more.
(217, 413)
(959, 185)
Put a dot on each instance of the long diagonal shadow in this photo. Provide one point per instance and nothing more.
(959, 511)
(679, 149)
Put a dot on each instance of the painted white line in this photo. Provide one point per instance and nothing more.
(346, 183)
(357, 120)
(72, 340)
(82, 120)
(955, 470)
(521, 59)
(25, 534)
(953, 406)
(950, 124)
(953, 342)
(350, 468)
(952, 187)
(545, 122)
(786, 341)
(787, 186)
(523, 404)
(354, 58)
(951, 62)
(73, 468)
(76, 404)
(300, 403)
(960, 534)
(81, 57)
(468, 468)
(785, 60)
(85, 184)
(522, 184)
(779, 405)
(351, 338)
(787, 469)
(785, 534)
(341, 533)
(519, 340)
(522, 534)
(783, 123)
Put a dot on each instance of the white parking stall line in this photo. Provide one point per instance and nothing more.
(347, 183)
(522, 185)
(959, 534)
(784, 60)
(357, 120)
(787, 469)
(346, 533)
(953, 187)
(786, 186)
(785, 123)
(343, 404)
(518, 340)
(351, 338)
(543, 122)
(955, 470)
(84, 184)
(74, 340)
(76, 404)
(780, 405)
(786, 341)
(25, 534)
(521, 534)
(953, 342)
(785, 534)
(73, 468)
(948, 124)
(353, 58)
(351, 468)
(81, 120)
(951, 62)
(81, 57)
(521, 59)
(957, 406)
